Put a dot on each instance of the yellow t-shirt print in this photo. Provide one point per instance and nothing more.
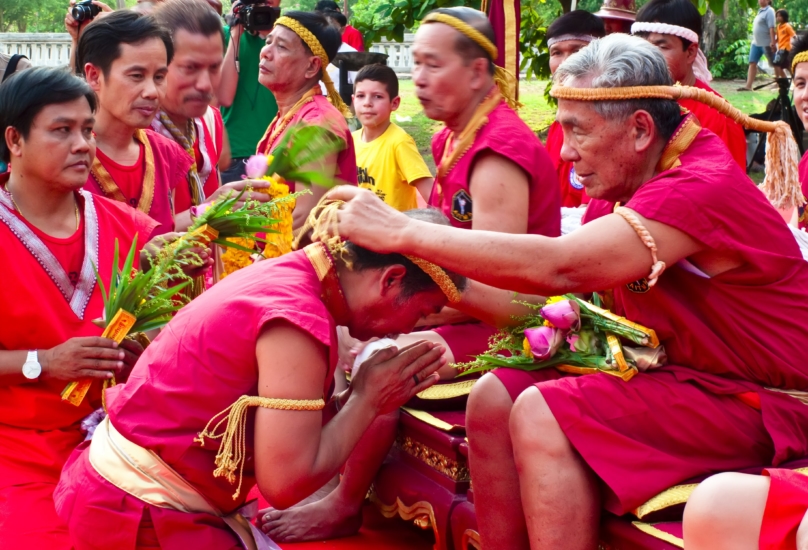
(388, 165)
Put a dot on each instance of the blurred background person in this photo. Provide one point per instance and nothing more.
(350, 35)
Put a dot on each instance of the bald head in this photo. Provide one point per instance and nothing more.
(467, 48)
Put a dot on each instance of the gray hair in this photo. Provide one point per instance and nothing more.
(618, 61)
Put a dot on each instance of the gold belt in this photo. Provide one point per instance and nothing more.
(144, 475)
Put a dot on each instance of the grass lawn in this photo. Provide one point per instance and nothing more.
(538, 114)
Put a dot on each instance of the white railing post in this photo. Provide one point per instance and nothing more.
(399, 53)
(43, 49)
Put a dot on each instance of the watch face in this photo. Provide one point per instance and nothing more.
(31, 370)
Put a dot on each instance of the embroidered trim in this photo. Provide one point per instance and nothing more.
(79, 296)
(278, 125)
(110, 188)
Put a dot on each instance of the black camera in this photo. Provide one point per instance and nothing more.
(84, 11)
(253, 15)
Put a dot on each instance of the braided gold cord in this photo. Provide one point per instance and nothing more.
(658, 265)
(781, 184)
(801, 57)
(317, 49)
(233, 450)
(322, 222)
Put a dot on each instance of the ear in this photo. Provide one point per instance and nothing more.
(480, 73)
(315, 64)
(644, 131)
(93, 76)
(13, 141)
(692, 52)
(391, 280)
(395, 104)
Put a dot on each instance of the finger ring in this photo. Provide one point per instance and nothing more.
(415, 378)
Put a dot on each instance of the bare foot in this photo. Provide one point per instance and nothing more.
(328, 518)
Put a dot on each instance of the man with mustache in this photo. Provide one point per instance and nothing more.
(185, 114)
(52, 234)
(124, 57)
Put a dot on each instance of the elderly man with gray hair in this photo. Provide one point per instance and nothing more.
(691, 248)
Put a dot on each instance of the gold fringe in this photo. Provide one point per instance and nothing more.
(322, 222)
(781, 184)
(649, 529)
(233, 450)
(505, 81)
(447, 391)
(658, 266)
(667, 498)
(317, 49)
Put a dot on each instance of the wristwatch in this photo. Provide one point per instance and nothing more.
(31, 369)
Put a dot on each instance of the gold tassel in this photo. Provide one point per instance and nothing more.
(506, 83)
(782, 183)
(233, 450)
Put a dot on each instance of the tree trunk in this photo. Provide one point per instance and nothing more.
(566, 5)
(121, 4)
(708, 35)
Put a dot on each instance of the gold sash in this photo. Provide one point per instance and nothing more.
(144, 475)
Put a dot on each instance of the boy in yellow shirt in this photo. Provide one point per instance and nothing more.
(387, 159)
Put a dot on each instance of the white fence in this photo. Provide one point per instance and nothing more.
(54, 49)
(48, 49)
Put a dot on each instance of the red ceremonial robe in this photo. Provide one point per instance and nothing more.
(804, 184)
(738, 332)
(730, 132)
(506, 135)
(171, 165)
(199, 365)
(42, 309)
(318, 112)
(786, 506)
(207, 150)
(573, 194)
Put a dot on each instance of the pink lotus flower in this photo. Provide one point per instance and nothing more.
(256, 167)
(565, 314)
(544, 341)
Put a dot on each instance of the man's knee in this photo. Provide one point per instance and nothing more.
(720, 501)
(489, 406)
(533, 428)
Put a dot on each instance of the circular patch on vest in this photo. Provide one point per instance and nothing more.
(640, 286)
(574, 180)
(461, 206)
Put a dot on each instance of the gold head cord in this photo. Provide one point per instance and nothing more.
(233, 449)
(317, 49)
(322, 222)
(801, 57)
(781, 184)
(504, 79)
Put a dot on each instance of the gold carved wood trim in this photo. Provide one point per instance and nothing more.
(471, 539)
(421, 514)
(457, 471)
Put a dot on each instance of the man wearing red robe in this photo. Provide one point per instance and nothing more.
(674, 26)
(53, 236)
(493, 174)
(124, 57)
(169, 483)
(722, 282)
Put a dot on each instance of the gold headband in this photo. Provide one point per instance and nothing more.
(317, 49)
(801, 57)
(505, 81)
(781, 184)
(322, 222)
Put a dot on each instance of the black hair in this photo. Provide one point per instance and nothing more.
(415, 280)
(341, 20)
(783, 14)
(673, 12)
(467, 48)
(800, 45)
(577, 22)
(326, 5)
(193, 16)
(379, 73)
(100, 43)
(25, 93)
(317, 25)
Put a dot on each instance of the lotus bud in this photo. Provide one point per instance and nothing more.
(544, 341)
(256, 167)
(565, 315)
(584, 342)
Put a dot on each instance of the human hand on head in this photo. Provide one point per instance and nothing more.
(367, 221)
(390, 377)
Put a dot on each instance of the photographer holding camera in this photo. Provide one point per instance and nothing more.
(247, 107)
(79, 15)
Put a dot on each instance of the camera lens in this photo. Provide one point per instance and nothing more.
(80, 13)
